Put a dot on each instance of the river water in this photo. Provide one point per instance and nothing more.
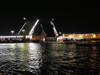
(49, 59)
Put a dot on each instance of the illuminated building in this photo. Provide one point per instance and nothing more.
(84, 36)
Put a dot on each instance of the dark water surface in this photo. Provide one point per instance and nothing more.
(49, 59)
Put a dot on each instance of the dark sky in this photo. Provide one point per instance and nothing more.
(69, 15)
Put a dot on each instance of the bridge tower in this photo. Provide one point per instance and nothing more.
(32, 30)
(54, 38)
(43, 32)
(54, 28)
(29, 27)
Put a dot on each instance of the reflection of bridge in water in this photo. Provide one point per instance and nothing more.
(30, 32)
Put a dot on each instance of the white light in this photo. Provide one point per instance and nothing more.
(30, 37)
(30, 33)
(27, 36)
(34, 53)
(52, 19)
(10, 36)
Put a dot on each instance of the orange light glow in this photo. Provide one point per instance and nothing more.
(80, 36)
(63, 35)
(70, 36)
(94, 36)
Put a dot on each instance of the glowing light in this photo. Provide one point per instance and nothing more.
(52, 19)
(12, 32)
(24, 18)
(30, 37)
(10, 36)
(43, 39)
(57, 38)
(80, 36)
(23, 30)
(63, 35)
(27, 37)
(59, 32)
(30, 33)
(34, 53)
(60, 38)
(70, 36)
(94, 36)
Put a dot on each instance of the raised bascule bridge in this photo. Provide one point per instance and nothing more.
(34, 31)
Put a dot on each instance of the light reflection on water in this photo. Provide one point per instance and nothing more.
(20, 58)
(49, 59)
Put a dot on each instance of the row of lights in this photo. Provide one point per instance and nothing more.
(80, 36)
(12, 32)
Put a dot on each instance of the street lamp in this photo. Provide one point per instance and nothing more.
(23, 34)
(12, 32)
(24, 18)
(23, 31)
(59, 33)
(52, 19)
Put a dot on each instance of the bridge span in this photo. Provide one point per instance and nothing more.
(27, 32)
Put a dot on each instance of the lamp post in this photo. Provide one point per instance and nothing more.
(24, 18)
(12, 32)
(60, 33)
(23, 34)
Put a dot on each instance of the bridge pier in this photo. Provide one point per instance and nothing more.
(50, 39)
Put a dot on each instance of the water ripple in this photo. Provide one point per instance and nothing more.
(49, 59)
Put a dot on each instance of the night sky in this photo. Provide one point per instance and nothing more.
(70, 16)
